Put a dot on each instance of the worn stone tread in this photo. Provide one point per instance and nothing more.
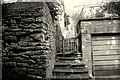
(70, 64)
(74, 77)
(70, 58)
(84, 70)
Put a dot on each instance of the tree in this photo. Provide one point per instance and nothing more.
(113, 7)
(66, 21)
(55, 9)
(100, 12)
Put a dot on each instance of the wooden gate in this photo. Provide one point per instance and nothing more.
(69, 44)
(106, 55)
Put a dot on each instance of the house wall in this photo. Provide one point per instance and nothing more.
(28, 41)
(95, 26)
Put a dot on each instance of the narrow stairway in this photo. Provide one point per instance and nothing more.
(70, 67)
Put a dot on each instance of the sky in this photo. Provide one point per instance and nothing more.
(73, 6)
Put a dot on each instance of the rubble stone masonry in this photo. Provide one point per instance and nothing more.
(28, 41)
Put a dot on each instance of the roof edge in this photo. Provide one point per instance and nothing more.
(105, 18)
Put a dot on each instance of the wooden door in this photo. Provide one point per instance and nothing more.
(106, 55)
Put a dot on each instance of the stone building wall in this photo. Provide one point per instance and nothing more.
(90, 27)
(28, 41)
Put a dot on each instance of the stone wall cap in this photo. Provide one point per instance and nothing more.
(101, 18)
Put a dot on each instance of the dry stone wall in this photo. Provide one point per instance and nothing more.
(28, 41)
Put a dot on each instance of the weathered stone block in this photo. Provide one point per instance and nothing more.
(29, 53)
(5, 59)
(25, 56)
(16, 30)
(8, 33)
(30, 62)
(4, 29)
(41, 62)
(15, 55)
(39, 31)
(23, 44)
(38, 36)
(28, 30)
(40, 19)
(12, 64)
(10, 38)
(40, 52)
(22, 64)
(42, 47)
(18, 59)
(22, 70)
(15, 48)
(4, 54)
(35, 57)
(13, 26)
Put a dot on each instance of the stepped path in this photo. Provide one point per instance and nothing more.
(70, 66)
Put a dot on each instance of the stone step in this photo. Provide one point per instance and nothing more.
(69, 58)
(69, 64)
(68, 55)
(71, 52)
(69, 61)
(71, 77)
(69, 67)
(76, 71)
